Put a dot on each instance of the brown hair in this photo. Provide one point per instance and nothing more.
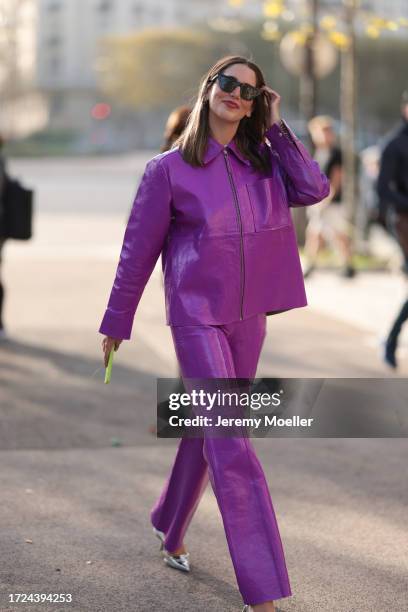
(250, 133)
(175, 125)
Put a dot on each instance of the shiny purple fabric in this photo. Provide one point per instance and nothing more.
(225, 233)
(231, 465)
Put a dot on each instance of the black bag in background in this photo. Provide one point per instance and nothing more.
(17, 211)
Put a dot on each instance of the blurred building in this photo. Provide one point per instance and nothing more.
(68, 36)
(51, 50)
(22, 107)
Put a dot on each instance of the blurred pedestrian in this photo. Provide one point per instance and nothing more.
(3, 175)
(393, 193)
(217, 208)
(328, 221)
(175, 125)
(368, 210)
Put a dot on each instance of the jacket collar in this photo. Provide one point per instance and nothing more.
(214, 148)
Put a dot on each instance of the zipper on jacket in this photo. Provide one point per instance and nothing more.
(237, 209)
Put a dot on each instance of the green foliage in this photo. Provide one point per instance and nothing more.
(155, 69)
(158, 69)
(46, 142)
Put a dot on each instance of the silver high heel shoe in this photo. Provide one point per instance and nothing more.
(180, 562)
(248, 608)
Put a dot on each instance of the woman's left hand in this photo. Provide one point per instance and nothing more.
(275, 99)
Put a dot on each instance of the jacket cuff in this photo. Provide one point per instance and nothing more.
(116, 325)
(277, 131)
(281, 137)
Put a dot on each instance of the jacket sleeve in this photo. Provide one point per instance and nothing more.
(305, 183)
(144, 238)
(388, 180)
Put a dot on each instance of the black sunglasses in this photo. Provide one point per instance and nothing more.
(228, 83)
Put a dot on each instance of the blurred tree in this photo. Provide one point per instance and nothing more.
(155, 69)
(158, 69)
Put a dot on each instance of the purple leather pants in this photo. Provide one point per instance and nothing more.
(236, 475)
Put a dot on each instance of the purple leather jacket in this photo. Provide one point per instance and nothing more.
(225, 232)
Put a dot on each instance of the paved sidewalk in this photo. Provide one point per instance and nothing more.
(370, 301)
(80, 471)
(339, 502)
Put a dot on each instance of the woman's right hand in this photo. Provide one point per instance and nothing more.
(107, 344)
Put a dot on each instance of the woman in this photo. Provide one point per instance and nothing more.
(216, 207)
(329, 221)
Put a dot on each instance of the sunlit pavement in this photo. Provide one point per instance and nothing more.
(80, 470)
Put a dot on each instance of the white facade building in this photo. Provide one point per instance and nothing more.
(22, 107)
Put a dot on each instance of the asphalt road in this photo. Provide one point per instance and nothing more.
(80, 470)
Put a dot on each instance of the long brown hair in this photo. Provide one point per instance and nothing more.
(250, 133)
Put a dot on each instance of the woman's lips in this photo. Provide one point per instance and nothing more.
(231, 104)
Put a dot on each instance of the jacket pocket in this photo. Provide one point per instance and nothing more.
(269, 204)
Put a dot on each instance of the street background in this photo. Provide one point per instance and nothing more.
(341, 504)
(85, 90)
